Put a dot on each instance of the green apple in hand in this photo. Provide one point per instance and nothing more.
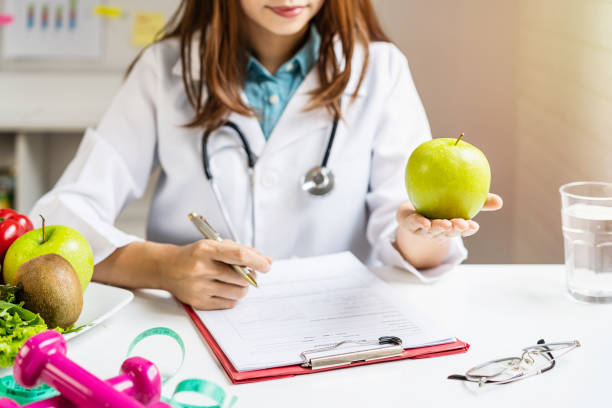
(447, 178)
(54, 239)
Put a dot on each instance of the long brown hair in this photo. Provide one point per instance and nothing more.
(223, 54)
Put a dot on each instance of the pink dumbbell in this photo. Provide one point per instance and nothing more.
(140, 379)
(8, 403)
(43, 359)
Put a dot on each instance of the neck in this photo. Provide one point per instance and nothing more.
(270, 49)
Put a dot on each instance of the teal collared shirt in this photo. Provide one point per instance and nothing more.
(269, 94)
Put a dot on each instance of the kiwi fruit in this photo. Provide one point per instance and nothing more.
(52, 289)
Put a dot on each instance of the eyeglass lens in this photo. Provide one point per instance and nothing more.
(494, 368)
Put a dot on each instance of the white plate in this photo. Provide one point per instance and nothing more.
(99, 303)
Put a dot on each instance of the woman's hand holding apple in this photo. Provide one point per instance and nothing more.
(425, 242)
(413, 222)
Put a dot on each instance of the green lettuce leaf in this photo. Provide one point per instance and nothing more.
(16, 326)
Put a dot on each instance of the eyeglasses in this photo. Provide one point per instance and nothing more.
(535, 360)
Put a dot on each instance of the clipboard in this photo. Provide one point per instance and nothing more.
(388, 350)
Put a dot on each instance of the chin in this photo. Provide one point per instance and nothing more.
(284, 27)
(288, 31)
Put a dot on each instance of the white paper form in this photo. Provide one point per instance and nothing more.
(52, 28)
(308, 303)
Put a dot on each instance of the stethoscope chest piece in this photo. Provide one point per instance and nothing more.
(318, 181)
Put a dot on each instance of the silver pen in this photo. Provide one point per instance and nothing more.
(209, 233)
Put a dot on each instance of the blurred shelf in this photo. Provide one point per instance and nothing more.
(43, 116)
(54, 101)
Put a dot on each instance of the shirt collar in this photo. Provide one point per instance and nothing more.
(304, 59)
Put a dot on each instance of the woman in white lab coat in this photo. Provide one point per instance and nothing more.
(281, 71)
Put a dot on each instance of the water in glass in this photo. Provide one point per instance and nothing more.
(587, 231)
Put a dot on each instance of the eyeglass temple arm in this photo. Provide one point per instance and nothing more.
(464, 378)
(457, 377)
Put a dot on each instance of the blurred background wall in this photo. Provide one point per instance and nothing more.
(528, 81)
(462, 55)
(564, 113)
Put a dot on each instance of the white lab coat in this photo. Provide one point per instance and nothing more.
(142, 130)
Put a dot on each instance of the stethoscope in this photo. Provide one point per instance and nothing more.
(318, 181)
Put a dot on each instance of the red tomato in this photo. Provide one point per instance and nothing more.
(12, 226)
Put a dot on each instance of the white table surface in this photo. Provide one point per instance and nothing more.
(498, 309)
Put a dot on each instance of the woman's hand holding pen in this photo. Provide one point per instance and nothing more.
(422, 241)
(200, 274)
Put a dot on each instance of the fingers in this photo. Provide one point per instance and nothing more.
(209, 294)
(473, 228)
(415, 222)
(227, 274)
(214, 303)
(494, 202)
(232, 253)
(462, 228)
(458, 227)
(226, 290)
(219, 295)
(419, 225)
(440, 228)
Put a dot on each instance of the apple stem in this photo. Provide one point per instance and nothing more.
(43, 227)
(459, 138)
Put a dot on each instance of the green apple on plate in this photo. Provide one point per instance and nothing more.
(54, 239)
(448, 178)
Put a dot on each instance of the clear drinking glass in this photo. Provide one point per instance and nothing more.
(586, 211)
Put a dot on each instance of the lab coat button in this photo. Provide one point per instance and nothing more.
(289, 67)
(273, 99)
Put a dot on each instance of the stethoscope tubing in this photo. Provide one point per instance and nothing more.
(247, 148)
(330, 142)
(226, 217)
